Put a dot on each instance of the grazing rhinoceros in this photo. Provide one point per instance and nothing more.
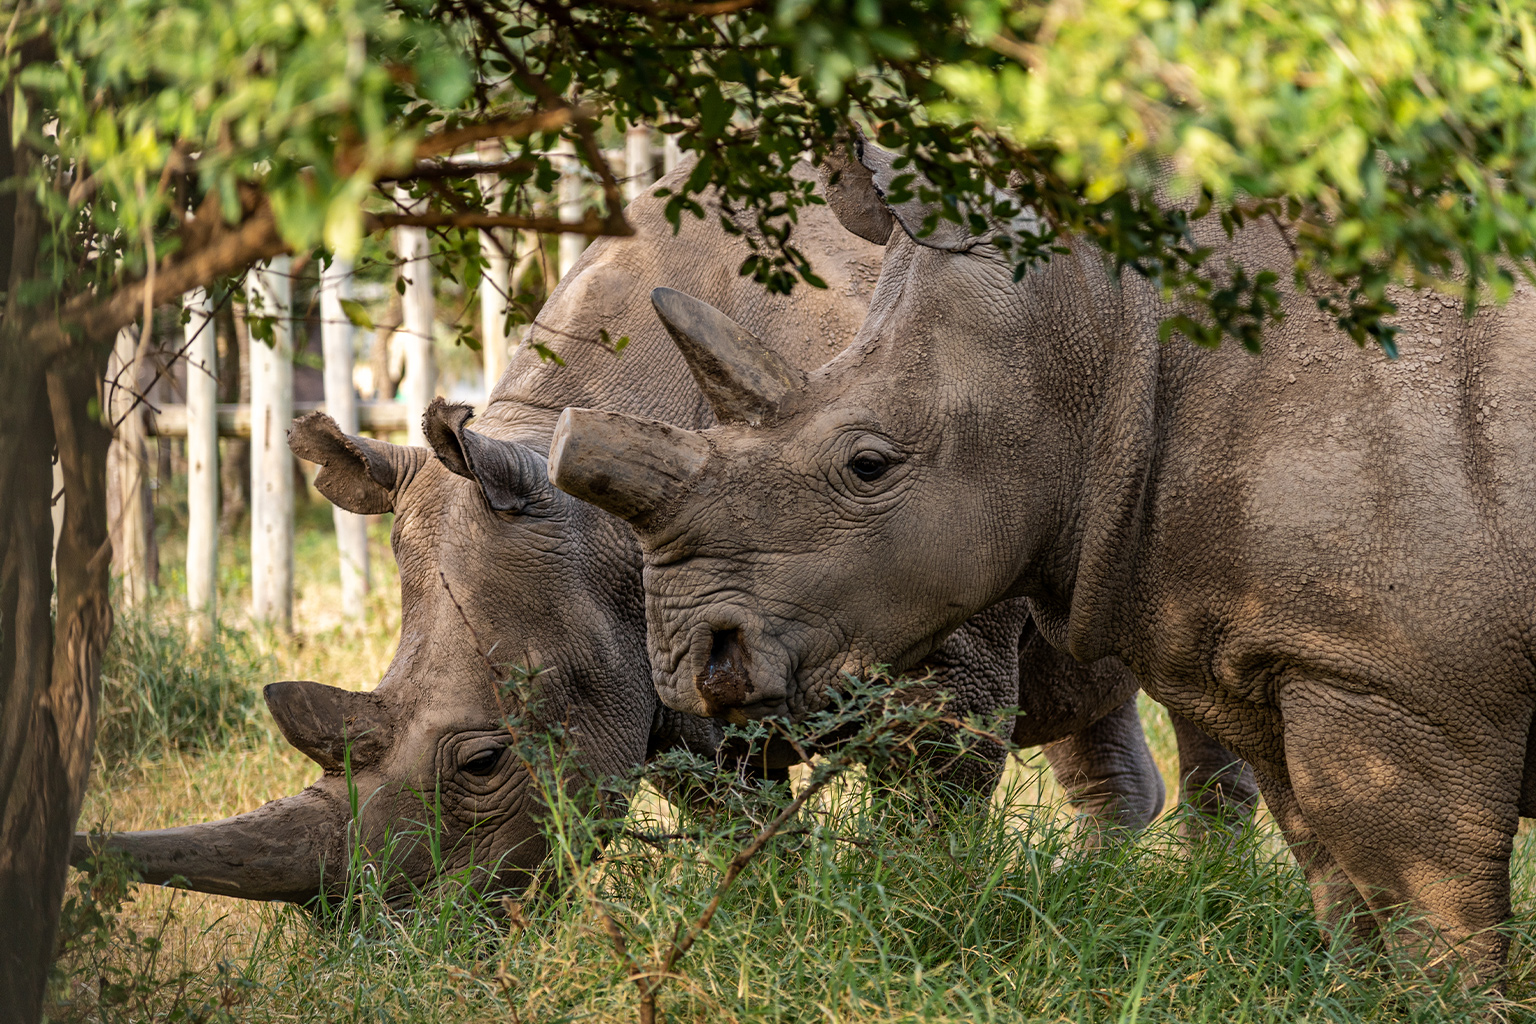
(1324, 557)
(496, 565)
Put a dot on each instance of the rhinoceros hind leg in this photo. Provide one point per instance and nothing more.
(1334, 897)
(1420, 814)
(1109, 775)
(1217, 791)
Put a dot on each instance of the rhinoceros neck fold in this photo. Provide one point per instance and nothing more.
(1121, 458)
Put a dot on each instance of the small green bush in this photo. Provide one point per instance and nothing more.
(161, 691)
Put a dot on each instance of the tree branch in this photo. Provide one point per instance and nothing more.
(501, 128)
(466, 169)
(591, 225)
(227, 250)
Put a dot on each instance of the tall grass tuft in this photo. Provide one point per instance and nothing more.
(161, 692)
(868, 907)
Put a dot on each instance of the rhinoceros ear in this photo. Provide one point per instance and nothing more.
(912, 212)
(849, 188)
(331, 726)
(511, 476)
(631, 467)
(358, 473)
(743, 379)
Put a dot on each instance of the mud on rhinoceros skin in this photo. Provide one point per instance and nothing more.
(1322, 556)
(491, 554)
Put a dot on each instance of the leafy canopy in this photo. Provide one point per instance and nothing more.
(1392, 138)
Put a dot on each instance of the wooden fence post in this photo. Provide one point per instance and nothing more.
(420, 382)
(495, 282)
(336, 334)
(202, 464)
(129, 511)
(57, 512)
(571, 245)
(671, 154)
(270, 297)
(637, 161)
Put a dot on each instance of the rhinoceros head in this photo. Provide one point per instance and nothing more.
(501, 573)
(502, 577)
(829, 522)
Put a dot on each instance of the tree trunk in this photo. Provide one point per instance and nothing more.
(49, 677)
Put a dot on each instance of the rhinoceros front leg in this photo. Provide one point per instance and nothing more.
(1109, 775)
(1417, 807)
(1217, 791)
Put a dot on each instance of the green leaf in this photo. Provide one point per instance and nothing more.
(714, 110)
(547, 354)
(357, 314)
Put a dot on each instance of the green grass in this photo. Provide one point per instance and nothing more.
(871, 912)
(161, 691)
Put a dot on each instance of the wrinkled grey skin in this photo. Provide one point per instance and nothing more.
(1320, 556)
(536, 579)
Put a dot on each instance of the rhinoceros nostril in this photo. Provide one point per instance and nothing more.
(724, 682)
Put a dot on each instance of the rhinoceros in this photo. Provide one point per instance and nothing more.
(1320, 556)
(498, 567)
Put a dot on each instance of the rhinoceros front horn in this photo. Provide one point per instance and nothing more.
(743, 379)
(285, 850)
(631, 467)
(334, 728)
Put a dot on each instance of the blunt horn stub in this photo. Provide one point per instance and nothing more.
(631, 467)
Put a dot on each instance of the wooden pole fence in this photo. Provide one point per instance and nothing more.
(202, 465)
(270, 293)
(336, 334)
(265, 419)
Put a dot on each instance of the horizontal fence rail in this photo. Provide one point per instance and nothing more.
(235, 420)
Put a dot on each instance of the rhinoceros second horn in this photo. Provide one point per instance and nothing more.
(624, 465)
(743, 379)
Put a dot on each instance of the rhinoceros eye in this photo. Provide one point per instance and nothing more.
(869, 465)
(484, 762)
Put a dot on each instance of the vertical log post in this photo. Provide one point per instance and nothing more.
(495, 282)
(420, 381)
(202, 464)
(336, 333)
(270, 295)
(571, 245)
(128, 462)
(637, 161)
(671, 154)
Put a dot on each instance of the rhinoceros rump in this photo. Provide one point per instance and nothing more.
(550, 583)
(1321, 556)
